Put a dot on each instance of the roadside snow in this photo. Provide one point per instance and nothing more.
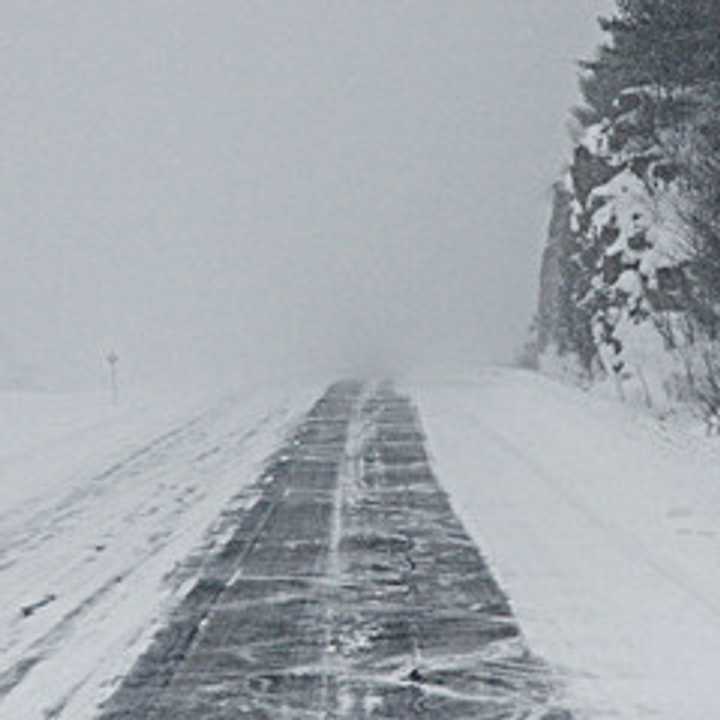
(604, 528)
(105, 516)
(41, 430)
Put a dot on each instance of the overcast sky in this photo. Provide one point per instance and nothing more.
(234, 185)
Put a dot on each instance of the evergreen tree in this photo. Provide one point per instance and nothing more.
(601, 82)
(666, 45)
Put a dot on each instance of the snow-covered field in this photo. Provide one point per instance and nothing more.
(603, 525)
(100, 510)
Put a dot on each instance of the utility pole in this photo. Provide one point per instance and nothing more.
(112, 359)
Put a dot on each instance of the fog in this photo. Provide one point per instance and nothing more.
(229, 189)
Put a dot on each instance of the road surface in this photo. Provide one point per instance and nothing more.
(349, 589)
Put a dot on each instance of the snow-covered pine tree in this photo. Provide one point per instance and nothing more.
(630, 281)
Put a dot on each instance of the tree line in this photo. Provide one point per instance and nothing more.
(653, 85)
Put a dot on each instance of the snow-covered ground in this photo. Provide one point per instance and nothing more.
(100, 510)
(603, 525)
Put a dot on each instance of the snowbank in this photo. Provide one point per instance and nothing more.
(603, 526)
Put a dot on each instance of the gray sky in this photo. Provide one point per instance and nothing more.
(280, 185)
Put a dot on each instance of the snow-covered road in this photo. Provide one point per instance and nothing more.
(603, 526)
(102, 527)
(349, 591)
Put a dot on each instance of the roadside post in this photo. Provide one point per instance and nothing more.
(112, 359)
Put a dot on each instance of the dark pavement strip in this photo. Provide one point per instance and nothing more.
(350, 590)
